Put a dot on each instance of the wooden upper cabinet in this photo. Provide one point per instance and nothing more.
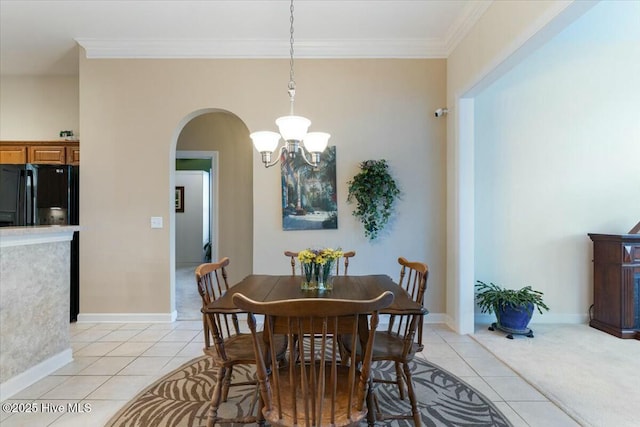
(49, 155)
(13, 154)
(73, 155)
(40, 152)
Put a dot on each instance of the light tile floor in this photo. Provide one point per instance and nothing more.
(113, 362)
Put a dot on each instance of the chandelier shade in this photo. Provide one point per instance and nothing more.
(265, 140)
(316, 142)
(293, 128)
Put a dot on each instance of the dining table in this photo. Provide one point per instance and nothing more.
(270, 288)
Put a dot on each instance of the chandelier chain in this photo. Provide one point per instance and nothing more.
(291, 45)
(292, 83)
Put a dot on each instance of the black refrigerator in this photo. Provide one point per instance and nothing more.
(43, 195)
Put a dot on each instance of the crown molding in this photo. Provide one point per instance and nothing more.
(261, 48)
(271, 48)
(463, 24)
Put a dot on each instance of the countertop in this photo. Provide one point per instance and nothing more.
(17, 236)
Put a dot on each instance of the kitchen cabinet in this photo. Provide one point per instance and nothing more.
(47, 154)
(13, 154)
(73, 154)
(40, 152)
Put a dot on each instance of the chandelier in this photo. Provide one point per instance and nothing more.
(292, 128)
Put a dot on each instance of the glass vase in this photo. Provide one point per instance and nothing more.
(325, 280)
(310, 279)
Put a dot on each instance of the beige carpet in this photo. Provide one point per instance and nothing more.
(181, 399)
(591, 375)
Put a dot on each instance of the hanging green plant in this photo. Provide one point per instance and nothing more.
(375, 192)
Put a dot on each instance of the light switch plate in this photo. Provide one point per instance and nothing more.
(156, 222)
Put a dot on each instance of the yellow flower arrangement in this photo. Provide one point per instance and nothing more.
(319, 256)
(317, 265)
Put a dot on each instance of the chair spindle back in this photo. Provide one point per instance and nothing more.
(315, 387)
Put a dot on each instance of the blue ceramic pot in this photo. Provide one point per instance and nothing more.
(514, 319)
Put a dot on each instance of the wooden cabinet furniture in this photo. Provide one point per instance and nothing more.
(40, 152)
(73, 154)
(47, 154)
(616, 284)
(13, 154)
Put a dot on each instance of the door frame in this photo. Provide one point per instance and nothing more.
(213, 185)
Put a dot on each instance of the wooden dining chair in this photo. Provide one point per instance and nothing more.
(314, 388)
(346, 256)
(401, 340)
(224, 341)
(413, 279)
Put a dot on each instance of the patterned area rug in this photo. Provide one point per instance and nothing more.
(181, 398)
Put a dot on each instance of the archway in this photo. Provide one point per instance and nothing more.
(224, 138)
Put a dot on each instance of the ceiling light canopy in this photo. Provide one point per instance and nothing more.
(293, 129)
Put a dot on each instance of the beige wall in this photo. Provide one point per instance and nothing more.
(133, 111)
(38, 108)
(505, 27)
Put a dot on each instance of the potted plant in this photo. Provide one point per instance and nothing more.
(513, 308)
(374, 190)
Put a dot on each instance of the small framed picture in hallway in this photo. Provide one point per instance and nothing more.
(180, 199)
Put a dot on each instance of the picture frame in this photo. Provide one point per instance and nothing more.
(309, 198)
(179, 199)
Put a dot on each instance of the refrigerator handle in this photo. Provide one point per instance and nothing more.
(22, 201)
(31, 216)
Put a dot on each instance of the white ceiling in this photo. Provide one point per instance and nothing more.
(42, 36)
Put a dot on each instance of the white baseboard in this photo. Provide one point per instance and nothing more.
(127, 317)
(576, 318)
(21, 381)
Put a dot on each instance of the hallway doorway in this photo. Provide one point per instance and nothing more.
(196, 175)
